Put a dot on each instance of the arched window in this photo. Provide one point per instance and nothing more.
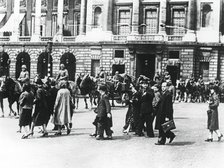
(97, 17)
(206, 15)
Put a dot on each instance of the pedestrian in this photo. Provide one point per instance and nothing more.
(156, 100)
(104, 122)
(213, 120)
(165, 113)
(40, 115)
(62, 109)
(26, 105)
(146, 109)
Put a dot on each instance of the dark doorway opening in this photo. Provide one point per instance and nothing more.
(174, 72)
(95, 67)
(4, 64)
(69, 60)
(145, 65)
(119, 68)
(204, 70)
(42, 65)
(23, 58)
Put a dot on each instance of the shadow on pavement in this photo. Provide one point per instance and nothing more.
(181, 143)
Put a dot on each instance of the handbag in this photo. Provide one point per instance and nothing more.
(169, 125)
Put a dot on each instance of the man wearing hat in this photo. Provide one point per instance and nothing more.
(104, 122)
(62, 74)
(24, 76)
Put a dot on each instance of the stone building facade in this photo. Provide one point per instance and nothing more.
(137, 37)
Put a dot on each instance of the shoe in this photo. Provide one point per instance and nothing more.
(57, 133)
(109, 137)
(68, 131)
(27, 136)
(209, 140)
(44, 134)
(172, 138)
(93, 135)
(99, 137)
(220, 137)
(159, 143)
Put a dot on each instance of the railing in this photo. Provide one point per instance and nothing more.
(120, 38)
(174, 37)
(5, 38)
(24, 38)
(46, 38)
(146, 37)
(69, 38)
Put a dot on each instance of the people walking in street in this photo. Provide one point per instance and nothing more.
(165, 113)
(40, 115)
(62, 109)
(104, 115)
(156, 100)
(146, 109)
(213, 120)
(26, 105)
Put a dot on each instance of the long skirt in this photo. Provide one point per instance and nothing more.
(25, 117)
(213, 121)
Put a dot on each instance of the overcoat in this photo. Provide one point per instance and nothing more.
(165, 109)
(213, 121)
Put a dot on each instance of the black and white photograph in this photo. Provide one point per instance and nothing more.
(111, 83)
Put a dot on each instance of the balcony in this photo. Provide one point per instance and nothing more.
(146, 37)
(24, 38)
(5, 38)
(175, 38)
(69, 38)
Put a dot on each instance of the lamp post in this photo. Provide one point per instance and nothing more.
(49, 49)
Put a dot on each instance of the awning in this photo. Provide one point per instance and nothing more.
(10, 24)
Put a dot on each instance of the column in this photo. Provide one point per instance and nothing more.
(15, 33)
(82, 17)
(59, 34)
(191, 22)
(135, 17)
(36, 35)
(162, 17)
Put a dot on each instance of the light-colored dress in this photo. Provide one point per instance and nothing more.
(62, 108)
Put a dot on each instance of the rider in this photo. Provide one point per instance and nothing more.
(24, 76)
(117, 80)
(62, 74)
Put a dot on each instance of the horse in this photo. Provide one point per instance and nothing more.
(10, 89)
(86, 86)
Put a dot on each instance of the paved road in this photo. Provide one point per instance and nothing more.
(79, 150)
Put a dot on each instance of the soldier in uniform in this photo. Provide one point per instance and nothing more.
(62, 74)
(24, 76)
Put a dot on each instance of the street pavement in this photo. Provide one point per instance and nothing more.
(79, 150)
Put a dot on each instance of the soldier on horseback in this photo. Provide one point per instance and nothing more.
(62, 74)
(24, 76)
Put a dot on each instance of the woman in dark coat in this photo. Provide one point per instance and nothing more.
(165, 112)
(213, 120)
(41, 115)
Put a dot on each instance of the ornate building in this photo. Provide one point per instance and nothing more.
(184, 37)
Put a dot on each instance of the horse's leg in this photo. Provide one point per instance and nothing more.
(10, 107)
(91, 100)
(77, 102)
(86, 103)
(112, 98)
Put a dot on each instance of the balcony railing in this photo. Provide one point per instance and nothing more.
(174, 37)
(46, 38)
(146, 37)
(120, 38)
(5, 38)
(69, 38)
(24, 38)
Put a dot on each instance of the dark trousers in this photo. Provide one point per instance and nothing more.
(163, 135)
(148, 119)
(103, 125)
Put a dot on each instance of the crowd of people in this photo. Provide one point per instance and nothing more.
(148, 101)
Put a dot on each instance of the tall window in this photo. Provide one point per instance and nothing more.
(124, 22)
(179, 21)
(151, 21)
(97, 17)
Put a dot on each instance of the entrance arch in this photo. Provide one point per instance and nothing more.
(69, 60)
(4, 64)
(23, 58)
(42, 65)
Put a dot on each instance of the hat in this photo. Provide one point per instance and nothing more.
(103, 88)
(144, 81)
(24, 66)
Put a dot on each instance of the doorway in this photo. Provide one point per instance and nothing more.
(174, 72)
(145, 65)
(119, 68)
(204, 70)
(95, 67)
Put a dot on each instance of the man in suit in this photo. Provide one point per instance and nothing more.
(165, 113)
(104, 122)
